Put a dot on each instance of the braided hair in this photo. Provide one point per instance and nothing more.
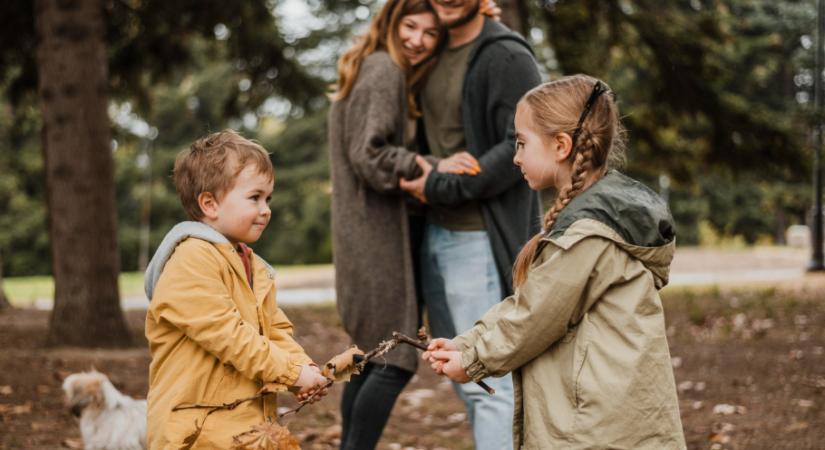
(598, 142)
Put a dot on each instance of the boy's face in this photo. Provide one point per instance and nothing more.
(242, 213)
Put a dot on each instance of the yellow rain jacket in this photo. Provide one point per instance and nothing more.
(585, 335)
(213, 339)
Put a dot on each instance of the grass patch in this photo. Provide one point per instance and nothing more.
(24, 291)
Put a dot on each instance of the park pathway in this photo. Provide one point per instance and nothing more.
(692, 266)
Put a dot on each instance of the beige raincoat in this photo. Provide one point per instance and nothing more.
(585, 335)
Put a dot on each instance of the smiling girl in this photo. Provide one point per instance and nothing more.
(369, 129)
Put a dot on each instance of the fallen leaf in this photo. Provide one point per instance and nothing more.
(719, 438)
(273, 388)
(73, 443)
(676, 362)
(802, 403)
(6, 390)
(726, 410)
(344, 365)
(25, 408)
(796, 426)
(190, 440)
(266, 436)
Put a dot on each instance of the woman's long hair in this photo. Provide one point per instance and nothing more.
(383, 35)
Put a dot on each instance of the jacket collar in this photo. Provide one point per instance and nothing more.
(263, 276)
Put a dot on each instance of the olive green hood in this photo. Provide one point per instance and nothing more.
(627, 212)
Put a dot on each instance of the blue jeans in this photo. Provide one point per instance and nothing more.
(459, 284)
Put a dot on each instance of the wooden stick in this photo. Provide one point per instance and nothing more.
(423, 346)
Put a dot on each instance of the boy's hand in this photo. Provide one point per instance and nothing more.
(448, 362)
(309, 382)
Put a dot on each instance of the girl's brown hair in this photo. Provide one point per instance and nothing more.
(383, 35)
(598, 142)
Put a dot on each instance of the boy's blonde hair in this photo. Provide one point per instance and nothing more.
(212, 163)
(557, 107)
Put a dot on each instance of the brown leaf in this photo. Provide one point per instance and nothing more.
(190, 440)
(25, 408)
(273, 388)
(266, 436)
(73, 443)
(796, 426)
(344, 365)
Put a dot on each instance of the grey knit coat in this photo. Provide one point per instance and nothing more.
(374, 272)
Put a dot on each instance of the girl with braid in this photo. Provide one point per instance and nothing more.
(584, 332)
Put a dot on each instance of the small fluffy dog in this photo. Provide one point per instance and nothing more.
(109, 420)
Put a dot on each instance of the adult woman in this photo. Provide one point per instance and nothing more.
(373, 241)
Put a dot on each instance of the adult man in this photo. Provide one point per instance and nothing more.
(476, 224)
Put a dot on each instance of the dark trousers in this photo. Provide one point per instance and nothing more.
(366, 404)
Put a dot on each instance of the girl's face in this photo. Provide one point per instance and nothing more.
(418, 34)
(542, 159)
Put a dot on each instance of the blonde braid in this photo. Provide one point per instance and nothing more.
(598, 139)
(582, 164)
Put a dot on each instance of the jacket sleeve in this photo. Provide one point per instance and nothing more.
(509, 79)
(554, 297)
(375, 105)
(192, 297)
(281, 333)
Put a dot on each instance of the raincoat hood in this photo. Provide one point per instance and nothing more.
(175, 236)
(627, 212)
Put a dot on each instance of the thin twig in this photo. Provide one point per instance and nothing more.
(423, 346)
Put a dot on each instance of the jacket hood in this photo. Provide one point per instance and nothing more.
(175, 236)
(493, 32)
(627, 212)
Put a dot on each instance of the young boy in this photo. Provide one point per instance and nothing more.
(214, 330)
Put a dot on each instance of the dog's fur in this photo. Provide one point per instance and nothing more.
(109, 420)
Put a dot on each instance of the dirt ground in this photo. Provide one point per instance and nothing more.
(750, 365)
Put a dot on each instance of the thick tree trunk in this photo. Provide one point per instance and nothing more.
(514, 14)
(72, 71)
(4, 301)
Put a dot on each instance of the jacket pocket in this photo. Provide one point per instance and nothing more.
(579, 368)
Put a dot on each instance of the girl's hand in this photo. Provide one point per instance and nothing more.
(448, 362)
(438, 344)
(461, 163)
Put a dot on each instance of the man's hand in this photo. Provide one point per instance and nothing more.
(416, 187)
(461, 163)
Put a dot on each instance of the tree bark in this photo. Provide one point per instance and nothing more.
(514, 14)
(4, 301)
(72, 86)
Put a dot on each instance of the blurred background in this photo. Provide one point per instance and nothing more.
(98, 96)
(717, 97)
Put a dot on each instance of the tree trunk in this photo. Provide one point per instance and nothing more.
(72, 77)
(4, 301)
(514, 14)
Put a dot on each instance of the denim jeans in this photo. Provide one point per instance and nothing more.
(459, 284)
